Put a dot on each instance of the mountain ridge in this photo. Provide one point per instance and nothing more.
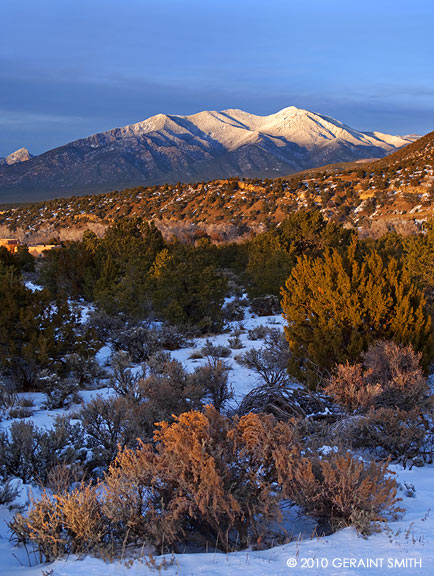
(207, 145)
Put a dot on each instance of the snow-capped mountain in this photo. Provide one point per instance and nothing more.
(203, 146)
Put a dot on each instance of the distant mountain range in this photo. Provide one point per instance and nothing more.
(203, 146)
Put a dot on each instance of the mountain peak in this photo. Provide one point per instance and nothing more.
(21, 155)
(290, 110)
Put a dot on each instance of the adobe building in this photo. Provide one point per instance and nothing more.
(36, 250)
(10, 244)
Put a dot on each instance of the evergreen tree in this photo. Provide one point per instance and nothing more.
(269, 264)
(71, 269)
(187, 288)
(336, 305)
(111, 271)
(273, 254)
(37, 333)
(419, 260)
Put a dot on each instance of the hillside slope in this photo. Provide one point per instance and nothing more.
(396, 192)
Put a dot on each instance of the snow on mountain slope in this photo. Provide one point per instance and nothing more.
(233, 128)
(21, 155)
(396, 141)
(203, 146)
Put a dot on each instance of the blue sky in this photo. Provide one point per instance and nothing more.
(69, 68)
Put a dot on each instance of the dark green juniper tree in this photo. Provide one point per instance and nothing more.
(336, 305)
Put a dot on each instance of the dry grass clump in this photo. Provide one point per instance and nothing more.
(390, 377)
(406, 437)
(69, 522)
(209, 479)
(390, 396)
(339, 489)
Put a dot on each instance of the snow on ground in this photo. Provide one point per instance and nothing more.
(83, 310)
(406, 546)
(103, 356)
(43, 418)
(241, 379)
(33, 287)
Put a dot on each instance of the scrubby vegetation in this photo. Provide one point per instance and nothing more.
(392, 193)
(389, 377)
(131, 270)
(170, 456)
(40, 335)
(389, 403)
(210, 478)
